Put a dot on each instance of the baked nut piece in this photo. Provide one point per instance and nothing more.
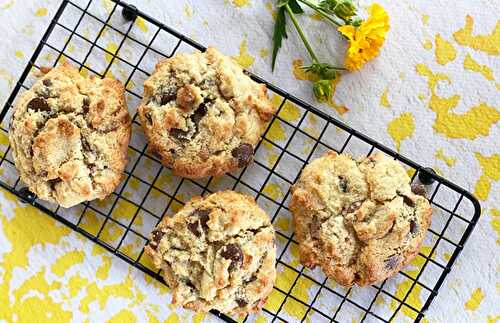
(358, 220)
(69, 136)
(217, 252)
(202, 115)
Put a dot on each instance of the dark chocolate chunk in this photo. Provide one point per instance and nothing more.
(86, 104)
(408, 201)
(38, 104)
(85, 145)
(149, 119)
(241, 302)
(166, 98)
(243, 153)
(352, 208)
(199, 114)
(53, 182)
(413, 227)
(251, 279)
(343, 184)
(47, 82)
(178, 133)
(232, 252)
(418, 189)
(156, 236)
(193, 227)
(203, 218)
(392, 262)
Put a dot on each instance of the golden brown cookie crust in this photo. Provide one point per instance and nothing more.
(69, 136)
(358, 220)
(202, 115)
(217, 252)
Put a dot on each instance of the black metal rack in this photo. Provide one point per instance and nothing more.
(76, 20)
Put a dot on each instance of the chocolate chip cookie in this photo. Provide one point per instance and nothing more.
(217, 252)
(202, 115)
(360, 221)
(69, 136)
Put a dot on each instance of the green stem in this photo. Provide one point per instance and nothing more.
(321, 12)
(301, 34)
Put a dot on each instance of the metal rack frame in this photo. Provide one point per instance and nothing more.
(367, 311)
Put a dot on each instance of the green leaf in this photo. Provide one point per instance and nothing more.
(279, 34)
(294, 5)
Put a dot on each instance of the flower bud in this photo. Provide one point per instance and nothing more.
(345, 9)
(322, 90)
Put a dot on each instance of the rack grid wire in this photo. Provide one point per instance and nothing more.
(122, 222)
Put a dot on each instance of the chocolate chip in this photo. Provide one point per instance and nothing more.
(38, 104)
(352, 208)
(408, 201)
(413, 227)
(203, 218)
(232, 252)
(314, 227)
(418, 189)
(85, 145)
(199, 114)
(47, 82)
(243, 153)
(343, 184)
(53, 182)
(156, 236)
(166, 98)
(149, 119)
(391, 262)
(251, 279)
(178, 133)
(241, 302)
(193, 227)
(86, 104)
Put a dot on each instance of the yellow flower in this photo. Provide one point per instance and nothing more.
(366, 40)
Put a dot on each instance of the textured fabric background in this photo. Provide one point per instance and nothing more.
(433, 94)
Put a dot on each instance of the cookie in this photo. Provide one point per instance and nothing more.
(202, 115)
(217, 252)
(359, 221)
(69, 136)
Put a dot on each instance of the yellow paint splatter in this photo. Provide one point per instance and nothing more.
(141, 24)
(289, 111)
(401, 128)
(241, 3)
(273, 190)
(495, 224)
(491, 172)
(271, 156)
(471, 124)
(471, 65)
(173, 318)
(384, 100)
(492, 319)
(69, 259)
(413, 298)
(276, 131)
(274, 301)
(425, 19)
(107, 5)
(316, 16)
(486, 43)
(123, 316)
(40, 12)
(446, 256)
(428, 44)
(76, 284)
(188, 11)
(23, 230)
(269, 7)
(19, 54)
(111, 47)
(244, 59)
(199, 317)
(445, 52)
(103, 270)
(283, 224)
(450, 161)
(264, 52)
(475, 300)
(7, 4)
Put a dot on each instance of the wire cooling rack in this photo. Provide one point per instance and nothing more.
(81, 33)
